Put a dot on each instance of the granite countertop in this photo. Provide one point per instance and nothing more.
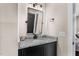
(34, 42)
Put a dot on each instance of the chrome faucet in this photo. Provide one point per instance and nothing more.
(35, 36)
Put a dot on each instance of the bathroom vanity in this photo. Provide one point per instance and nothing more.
(38, 47)
(34, 44)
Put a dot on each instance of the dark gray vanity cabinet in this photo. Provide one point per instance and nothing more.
(49, 49)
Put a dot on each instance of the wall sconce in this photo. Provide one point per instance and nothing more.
(52, 20)
(41, 6)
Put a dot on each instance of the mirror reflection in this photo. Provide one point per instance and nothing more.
(34, 22)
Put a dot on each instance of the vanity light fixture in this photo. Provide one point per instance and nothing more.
(36, 4)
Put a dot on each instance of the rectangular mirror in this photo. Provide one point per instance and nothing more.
(34, 22)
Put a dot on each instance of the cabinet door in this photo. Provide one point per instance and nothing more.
(50, 49)
(32, 51)
(36, 51)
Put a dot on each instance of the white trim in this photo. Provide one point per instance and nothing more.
(71, 50)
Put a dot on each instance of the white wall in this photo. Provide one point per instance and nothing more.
(22, 17)
(8, 29)
(57, 28)
(77, 9)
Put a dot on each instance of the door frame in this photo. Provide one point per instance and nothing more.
(71, 29)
